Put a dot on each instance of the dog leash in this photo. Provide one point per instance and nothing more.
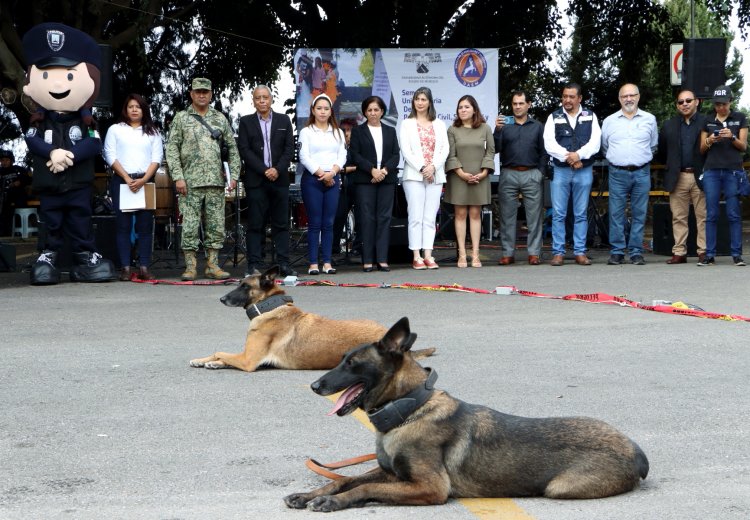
(324, 469)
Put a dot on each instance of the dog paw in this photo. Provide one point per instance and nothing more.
(196, 363)
(215, 364)
(325, 504)
(296, 501)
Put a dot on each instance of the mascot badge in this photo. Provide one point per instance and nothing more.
(63, 79)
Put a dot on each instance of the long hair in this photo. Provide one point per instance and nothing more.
(431, 113)
(148, 125)
(476, 120)
(331, 118)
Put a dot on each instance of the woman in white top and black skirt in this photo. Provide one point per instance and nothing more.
(133, 148)
(323, 154)
(374, 150)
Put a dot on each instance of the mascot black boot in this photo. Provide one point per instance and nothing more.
(43, 271)
(91, 267)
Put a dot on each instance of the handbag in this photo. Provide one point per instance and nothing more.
(743, 184)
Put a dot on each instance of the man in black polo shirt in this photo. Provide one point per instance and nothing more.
(524, 160)
(679, 149)
(723, 142)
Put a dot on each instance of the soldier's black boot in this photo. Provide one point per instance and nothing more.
(44, 272)
(91, 267)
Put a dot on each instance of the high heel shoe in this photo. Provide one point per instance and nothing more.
(367, 268)
(329, 270)
(475, 261)
(313, 271)
(461, 263)
(385, 268)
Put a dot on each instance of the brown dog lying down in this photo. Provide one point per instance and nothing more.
(431, 446)
(284, 336)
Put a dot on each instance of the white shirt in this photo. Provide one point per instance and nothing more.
(377, 136)
(320, 149)
(134, 149)
(586, 151)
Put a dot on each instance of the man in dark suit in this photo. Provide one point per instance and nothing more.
(679, 149)
(266, 145)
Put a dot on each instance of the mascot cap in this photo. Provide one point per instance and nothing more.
(57, 45)
(201, 84)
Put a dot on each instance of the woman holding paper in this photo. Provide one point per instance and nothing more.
(133, 148)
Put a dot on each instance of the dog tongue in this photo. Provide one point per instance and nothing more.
(345, 397)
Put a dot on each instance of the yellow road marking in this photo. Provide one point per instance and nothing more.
(484, 508)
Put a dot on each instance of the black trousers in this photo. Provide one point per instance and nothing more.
(375, 210)
(69, 214)
(270, 200)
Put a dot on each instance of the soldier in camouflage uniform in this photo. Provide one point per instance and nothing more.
(194, 159)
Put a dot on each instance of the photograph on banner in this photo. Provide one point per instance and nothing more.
(348, 76)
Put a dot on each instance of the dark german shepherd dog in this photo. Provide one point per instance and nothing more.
(431, 446)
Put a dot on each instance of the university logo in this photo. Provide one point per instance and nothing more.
(55, 39)
(470, 67)
(422, 61)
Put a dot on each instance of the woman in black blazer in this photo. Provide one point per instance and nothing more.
(374, 150)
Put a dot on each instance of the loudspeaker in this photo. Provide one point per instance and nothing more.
(447, 228)
(664, 239)
(105, 81)
(398, 244)
(703, 65)
(7, 257)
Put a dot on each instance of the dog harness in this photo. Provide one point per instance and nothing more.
(267, 305)
(395, 413)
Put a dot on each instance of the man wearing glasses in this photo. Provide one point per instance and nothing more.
(629, 140)
(679, 149)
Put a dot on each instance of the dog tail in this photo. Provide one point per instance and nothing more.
(641, 462)
(423, 353)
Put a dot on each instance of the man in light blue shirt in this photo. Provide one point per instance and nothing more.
(629, 140)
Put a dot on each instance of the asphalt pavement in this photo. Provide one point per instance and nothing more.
(104, 418)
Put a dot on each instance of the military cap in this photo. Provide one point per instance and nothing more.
(201, 84)
(722, 94)
(57, 45)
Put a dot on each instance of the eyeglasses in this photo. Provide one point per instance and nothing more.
(685, 101)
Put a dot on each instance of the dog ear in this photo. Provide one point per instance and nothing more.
(399, 338)
(272, 273)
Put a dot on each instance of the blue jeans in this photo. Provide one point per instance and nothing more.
(622, 183)
(714, 183)
(568, 183)
(144, 228)
(321, 204)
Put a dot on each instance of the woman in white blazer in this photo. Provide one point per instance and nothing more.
(424, 146)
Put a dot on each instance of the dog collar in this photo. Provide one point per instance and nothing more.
(395, 413)
(267, 305)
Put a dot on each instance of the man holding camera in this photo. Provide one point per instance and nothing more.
(201, 154)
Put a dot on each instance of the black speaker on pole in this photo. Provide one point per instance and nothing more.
(105, 82)
(703, 65)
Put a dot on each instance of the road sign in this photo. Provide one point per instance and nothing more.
(675, 63)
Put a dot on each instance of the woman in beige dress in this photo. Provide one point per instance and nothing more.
(470, 162)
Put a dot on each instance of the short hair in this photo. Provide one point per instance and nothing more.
(574, 85)
(373, 99)
(477, 119)
(263, 87)
(518, 93)
(431, 113)
(682, 90)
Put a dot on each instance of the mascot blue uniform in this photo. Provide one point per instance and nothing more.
(63, 79)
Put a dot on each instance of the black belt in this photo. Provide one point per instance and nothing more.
(688, 170)
(629, 168)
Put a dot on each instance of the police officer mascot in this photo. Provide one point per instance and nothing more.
(63, 79)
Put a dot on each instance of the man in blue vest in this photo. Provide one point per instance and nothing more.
(572, 137)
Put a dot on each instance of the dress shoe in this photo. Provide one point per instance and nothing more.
(125, 274)
(385, 268)
(330, 270)
(557, 260)
(677, 259)
(534, 260)
(507, 260)
(145, 274)
(313, 271)
(616, 260)
(286, 270)
(637, 260)
(701, 257)
(582, 260)
(707, 261)
(368, 268)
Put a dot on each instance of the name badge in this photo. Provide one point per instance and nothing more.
(586, 118)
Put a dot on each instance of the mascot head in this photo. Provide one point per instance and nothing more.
(63, 68)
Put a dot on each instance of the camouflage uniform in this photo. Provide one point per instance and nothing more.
(195, 157)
